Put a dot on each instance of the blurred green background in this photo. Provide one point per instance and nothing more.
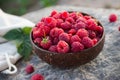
(20, 7)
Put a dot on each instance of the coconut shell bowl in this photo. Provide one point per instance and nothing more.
(70, 59)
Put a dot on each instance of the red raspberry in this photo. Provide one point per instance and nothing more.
(59, 21)
(92, 34)
(87, 17)
(64, 15)
(43, 19)
(95, 40)
(57, 16)
(82, 33)
(55, 32)
(66, 25)
(112, 17)
(37, 77)
(80, 25)
(40, 24)
(76, 47)
(36, 34)
(73, 15)
(65, 37)
(99, 29)
(45, 43)
(29, 69)
(119, 28)
(75, 38)
(53, 13)
(62, 47)
(91, 24)
(51, 22)
(72, 31)
(55, 40)
(37, 41)
(81, 19)
(70, 19)
(87, 42)
(53, 48)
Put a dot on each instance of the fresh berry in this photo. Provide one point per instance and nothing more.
(40, 24)
(92, 34)
(76, 47)
(62, 47)
(38, 41)
(87, 42)
(72, 31)
(99, 29)
(87, 17)
(80, 25)
(53, 48)
(75, 38)
(51, 22)
(55, 40)
(64, 15)
(91, 24)
(59, 21)
(55, 32)
(65, 37)
(70, 19)
(119, 28)
(45, 43)
(66, 25)
(57, 16)
(37, 77)
(95, 40)
(81, 19)
(112, 17)
(82, 33)
(53, 13)
(29, 69)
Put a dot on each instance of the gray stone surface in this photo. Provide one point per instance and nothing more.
(105, 67)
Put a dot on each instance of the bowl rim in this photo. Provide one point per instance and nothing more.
(85, 50)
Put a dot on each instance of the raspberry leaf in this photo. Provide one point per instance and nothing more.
(22, 40)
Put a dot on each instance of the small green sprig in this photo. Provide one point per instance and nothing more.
(21, 36)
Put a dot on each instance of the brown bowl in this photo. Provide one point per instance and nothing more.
(70, 59)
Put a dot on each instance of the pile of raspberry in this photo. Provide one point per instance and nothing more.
(65, 32)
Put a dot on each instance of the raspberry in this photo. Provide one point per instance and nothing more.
(112, 17)
(91, 24)
(92, 34)
(55, 32)
(82, 33)
(65, 37)
(70, 19)
(37, 77)
(59, 21)
(53, 13)
(95, 41)
(62, 47)
(75, 38)
(53, 48)
(36, 34)
(57, 16)
(55, 40)
(76, 47)
(119, 28)
(80, 25)
(64, 15)
(45, 43)
(37, 41)
(29, 69)
(43, 19)
(51, 22)
(99, 29)
(87, 17)
(87, 42)
(66, 25)
(40, 24)
(81, 19)
(72, 31)
(73, 15)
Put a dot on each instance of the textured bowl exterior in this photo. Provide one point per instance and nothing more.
(70, 59)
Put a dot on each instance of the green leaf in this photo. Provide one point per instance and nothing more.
(25, 48)
(13, 34)
(26, 30)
